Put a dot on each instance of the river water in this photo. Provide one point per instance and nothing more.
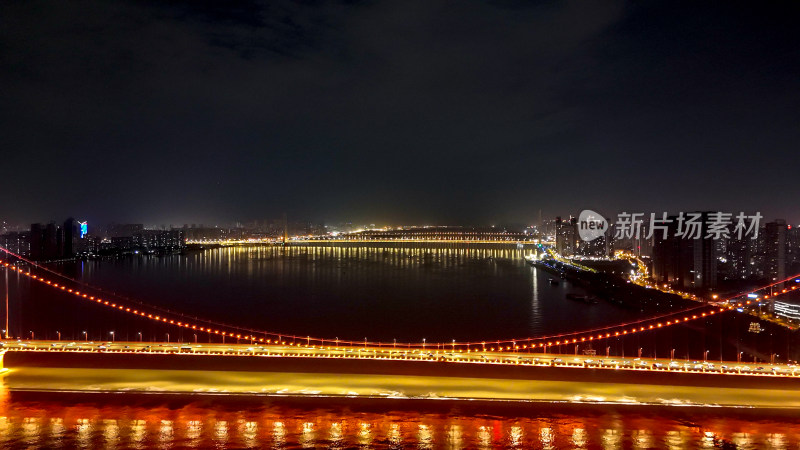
(110, 424)
(409, 294)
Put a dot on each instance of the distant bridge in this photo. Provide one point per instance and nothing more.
(411, 235)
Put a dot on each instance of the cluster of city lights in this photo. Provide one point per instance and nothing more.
(751, 298)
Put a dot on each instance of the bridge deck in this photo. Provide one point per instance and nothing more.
(372, 372)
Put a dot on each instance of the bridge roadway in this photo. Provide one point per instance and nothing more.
(398, 354)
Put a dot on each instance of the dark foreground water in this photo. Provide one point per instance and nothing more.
(109, 424)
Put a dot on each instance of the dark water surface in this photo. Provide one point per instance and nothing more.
(438, 294)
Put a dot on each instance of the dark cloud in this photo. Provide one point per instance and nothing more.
(421, 111)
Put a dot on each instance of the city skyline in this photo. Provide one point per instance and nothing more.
(368, 223)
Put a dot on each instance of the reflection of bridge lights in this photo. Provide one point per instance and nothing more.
(425, 436)
(546, 437)
(579, 438)
(279, 434)
(455, 436)
(138, 431)
(307, 436)
(221, 431)
(194, 429)
(165, 432)
(335, 434)
(485, 436)
(84, 431)
(364, 434)
(515, 436)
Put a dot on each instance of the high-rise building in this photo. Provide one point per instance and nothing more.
(566, 236)
(71, 234)
(47, 242)
(775, 250)
(739, 256)
(685, 263)
(18, 242)
(639, 244)
(36, 242)
(50, 242)
(792, 249)
(53, 241)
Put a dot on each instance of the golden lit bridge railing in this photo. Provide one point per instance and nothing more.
(507, 358)
(152, 313)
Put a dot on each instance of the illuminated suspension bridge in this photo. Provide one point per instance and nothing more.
(244, 361)
(221, 331)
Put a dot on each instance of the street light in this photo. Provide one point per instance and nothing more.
(705, 355)
(423, 343)
(140, 336)
(59, 335)
(85, 336)
(112, 335)
(31, 334)
(167, 337)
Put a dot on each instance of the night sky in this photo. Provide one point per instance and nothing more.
(474, 112)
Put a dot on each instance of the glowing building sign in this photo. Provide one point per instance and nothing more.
(84, 228)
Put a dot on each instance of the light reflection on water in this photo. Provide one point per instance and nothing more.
(61, 425)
